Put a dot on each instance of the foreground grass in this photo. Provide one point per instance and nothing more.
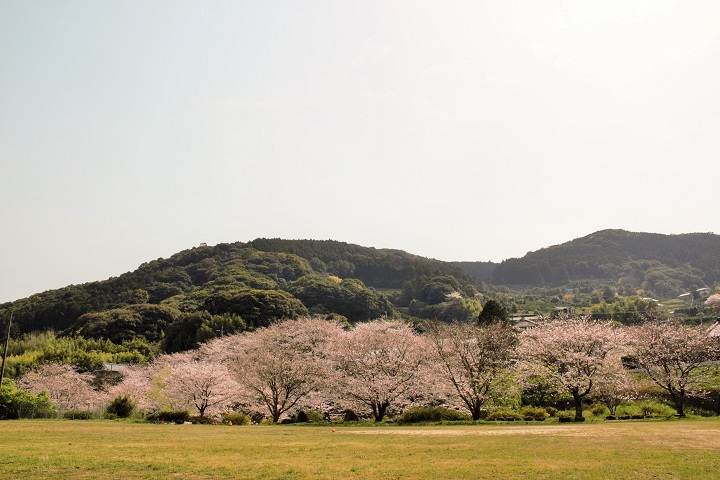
(116, 450)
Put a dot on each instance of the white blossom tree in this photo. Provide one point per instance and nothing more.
(473, 358)
(675, 357)
(574, 351)
(200, 383)
(65, 387)
(614, 385)
(280, 365)
(378, 363)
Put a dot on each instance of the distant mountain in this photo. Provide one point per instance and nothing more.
(664, 265)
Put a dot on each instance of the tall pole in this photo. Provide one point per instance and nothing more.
(7, 341)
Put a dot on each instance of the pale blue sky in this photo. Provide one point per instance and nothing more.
(465, 130)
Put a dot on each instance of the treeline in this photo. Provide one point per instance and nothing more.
(485, 369)
(84, 354)
(663, 265)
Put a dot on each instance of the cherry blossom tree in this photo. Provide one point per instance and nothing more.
(675, 357)
(64, 386)
(205, 385)
(473, 358)
(280, 365)
(378, 363)
(614, 385)
(574, 351)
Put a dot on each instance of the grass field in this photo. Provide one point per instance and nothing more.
(688, 449)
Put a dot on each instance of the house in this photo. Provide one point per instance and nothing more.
(524, 322)
(563, 311)
(714, 330)
(110, 374)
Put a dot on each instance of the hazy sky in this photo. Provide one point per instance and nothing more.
(458, 130)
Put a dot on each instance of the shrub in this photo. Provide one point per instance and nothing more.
(599, 410)
(702, 412)
(534, 413)
(77, 415)
(654, 409)
(121, 407)
(311, 416)
(236, 418)
(565, 416)
(350, 416)
(504, 415)
(202, 420)
(552, 411)
(648, 408)
(173, 417)
(16, 403)
(431, 414)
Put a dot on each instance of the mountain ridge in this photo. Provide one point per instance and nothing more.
(333, 277)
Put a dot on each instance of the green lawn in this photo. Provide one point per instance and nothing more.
(673, 449)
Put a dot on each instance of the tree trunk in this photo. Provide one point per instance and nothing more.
(679, 401)
(475, 411)
(379, 411)
(680, 406)
(578, 409)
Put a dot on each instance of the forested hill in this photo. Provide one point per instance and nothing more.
(380, 268)
(244, 285)
(665, 265)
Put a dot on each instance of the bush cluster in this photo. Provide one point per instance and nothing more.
(78, 415)
(16, 403)
(238, 418)
(309, 416)
(171, 417)
(431, 414)
(504, 414)
(121, 407)
(534, 413)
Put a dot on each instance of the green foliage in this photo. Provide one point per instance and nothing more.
(122, 406)
(192, 329)
(238, 418)
(15, 403)
(491, 312)
(431, 414)
(78, 415)
(565, 415)
(627, 310)
(504, 414)
(379, 268)
(312, 416)
(456, 309)
(664, 265)
(435, 290)
(124, 324)
(534, 413)
(256, 307)
(86, 354)
(599, 410)
(178, 416)
(349, 298)
(646, 408)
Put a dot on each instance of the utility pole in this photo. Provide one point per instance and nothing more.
(7, 341)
